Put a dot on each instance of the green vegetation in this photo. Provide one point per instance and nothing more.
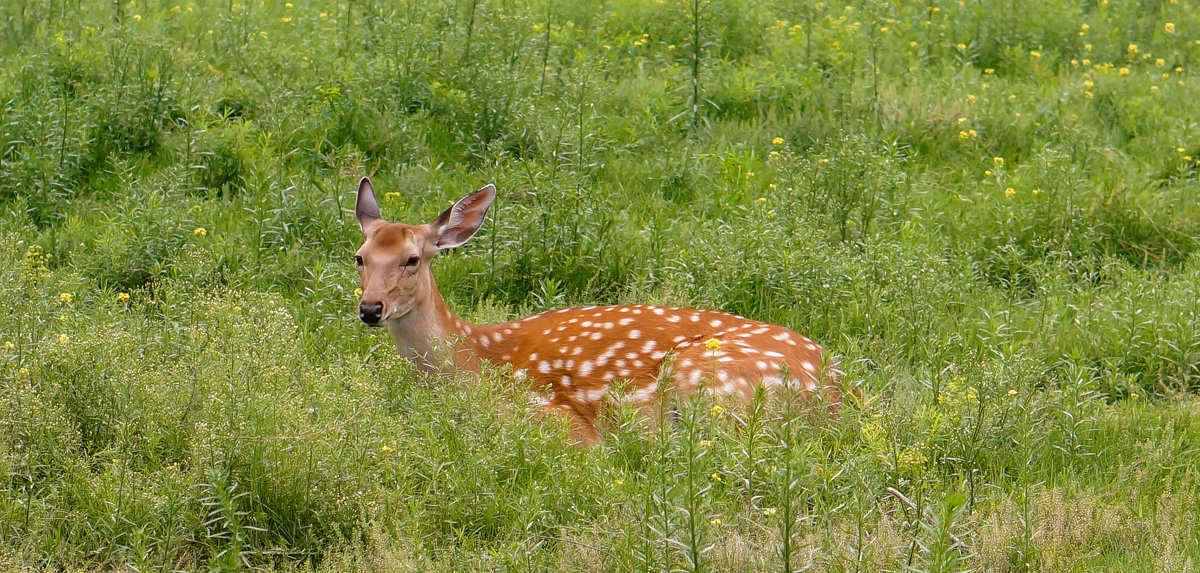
(990, 212)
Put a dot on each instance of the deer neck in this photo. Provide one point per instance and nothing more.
(434, 338)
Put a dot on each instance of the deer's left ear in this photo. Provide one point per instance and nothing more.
(460, 222)
(366, 209)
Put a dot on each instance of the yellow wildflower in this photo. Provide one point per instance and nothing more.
(1123, 71)
(618, 482)
(716, 476)
(1133, 48)
(712, 344)
(1009, 192)
(1084, 27)
(761, 200)
(137, 17)
(705, 443)
(1159, 62)
(1087, 48)
(1169, 27)
(717, 410)
(970, 98)
(716, 521)
(66, 297)
(777, 141)
(286, 20)
(288, 5)
(23, 371)
(357, 292)
(63, 339)
(122, 297)
(175, 9)
(1035, 54)
(1012, 393)
(998, 161)
(768, 512)
(386, 448)
(200, 231)
(8, 345)
(1035, 191)
(961, 47)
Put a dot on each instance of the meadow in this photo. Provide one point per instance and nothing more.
(989, 211)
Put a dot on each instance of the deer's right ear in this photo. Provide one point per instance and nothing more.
(366, 209)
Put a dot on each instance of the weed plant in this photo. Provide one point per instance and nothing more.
(990, 213)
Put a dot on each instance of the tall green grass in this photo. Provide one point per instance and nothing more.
(987, 212)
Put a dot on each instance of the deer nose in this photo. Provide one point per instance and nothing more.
(370, 312)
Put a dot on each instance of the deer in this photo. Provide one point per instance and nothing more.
(578, 354)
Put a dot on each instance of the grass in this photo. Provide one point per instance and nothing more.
(988, 212)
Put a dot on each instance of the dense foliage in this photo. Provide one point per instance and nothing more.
(989, 211)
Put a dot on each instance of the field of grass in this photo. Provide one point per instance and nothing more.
(990, 211)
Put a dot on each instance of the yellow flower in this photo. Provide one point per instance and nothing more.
(970, 98)
(1181, 149)
(998, 161)
(989, 71)
(23, 371)
(357, 292)
(618, 482)
(286, 20)
(712, 344)
(1133, 48)
(1169, 27)
(705, 443)
(175, 9)
(63, 339)
(288, 5)
(1035, 191)
(1123, 71)
(823, 160)
(385, 449)
(1035, 54)
(1087, 48)
(967, 134)
(761, 200)
(717, 410)
(122, 297)
(769, 511)
(1012, 393)
(1088, 84)
(715, 477)
(777, 141)
(987, 172)
(8, 345)
(716, 521)
(200, 231)
(1084, 27)
(1159, 62)
(961, 47)
(66, 297)
(1086, 62)
(137, 17)
(1010, 192)
(749, 174)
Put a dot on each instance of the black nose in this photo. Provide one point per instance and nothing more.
(370, 312)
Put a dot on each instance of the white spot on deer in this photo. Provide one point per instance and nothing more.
(544, 367)
(659, 311)
(624, 373)
(573, 320)
(686, 363)
(725, 359)
(749, 350)
(558, 364)
(546, 332)
(808, 366)
(762, 365)
(533, 356)
(678, 339)
(598, 315)
(588, 307)
(506, 357)
(485, 341)
(635, 334)
(608, 326)
(637, 311)
(608, 376)
(563, 350)
(649, 345)
(761, 330)
(657, 355)
(674, 318)
(638, 364)
(569, 364)
(773, 354)
(520, 373)
(623, 309)
(714, 322)
(466, 328)
(539, 400)
(586, 367)
(566, 381)
(782, 336)
(695, 377)
(561, 328)
(497, 336)
(625, 321)
(572, 338)
(772, 381)
(642, 394)
(577, 351)
(620, 363)
(695, 318)
(596, 336)
(810, 346)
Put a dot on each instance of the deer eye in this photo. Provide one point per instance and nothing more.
(412, 261)
(358, 260)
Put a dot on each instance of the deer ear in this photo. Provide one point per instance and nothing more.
(460, 222)
(366, 208)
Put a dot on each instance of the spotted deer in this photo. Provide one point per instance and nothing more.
(575, 353)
